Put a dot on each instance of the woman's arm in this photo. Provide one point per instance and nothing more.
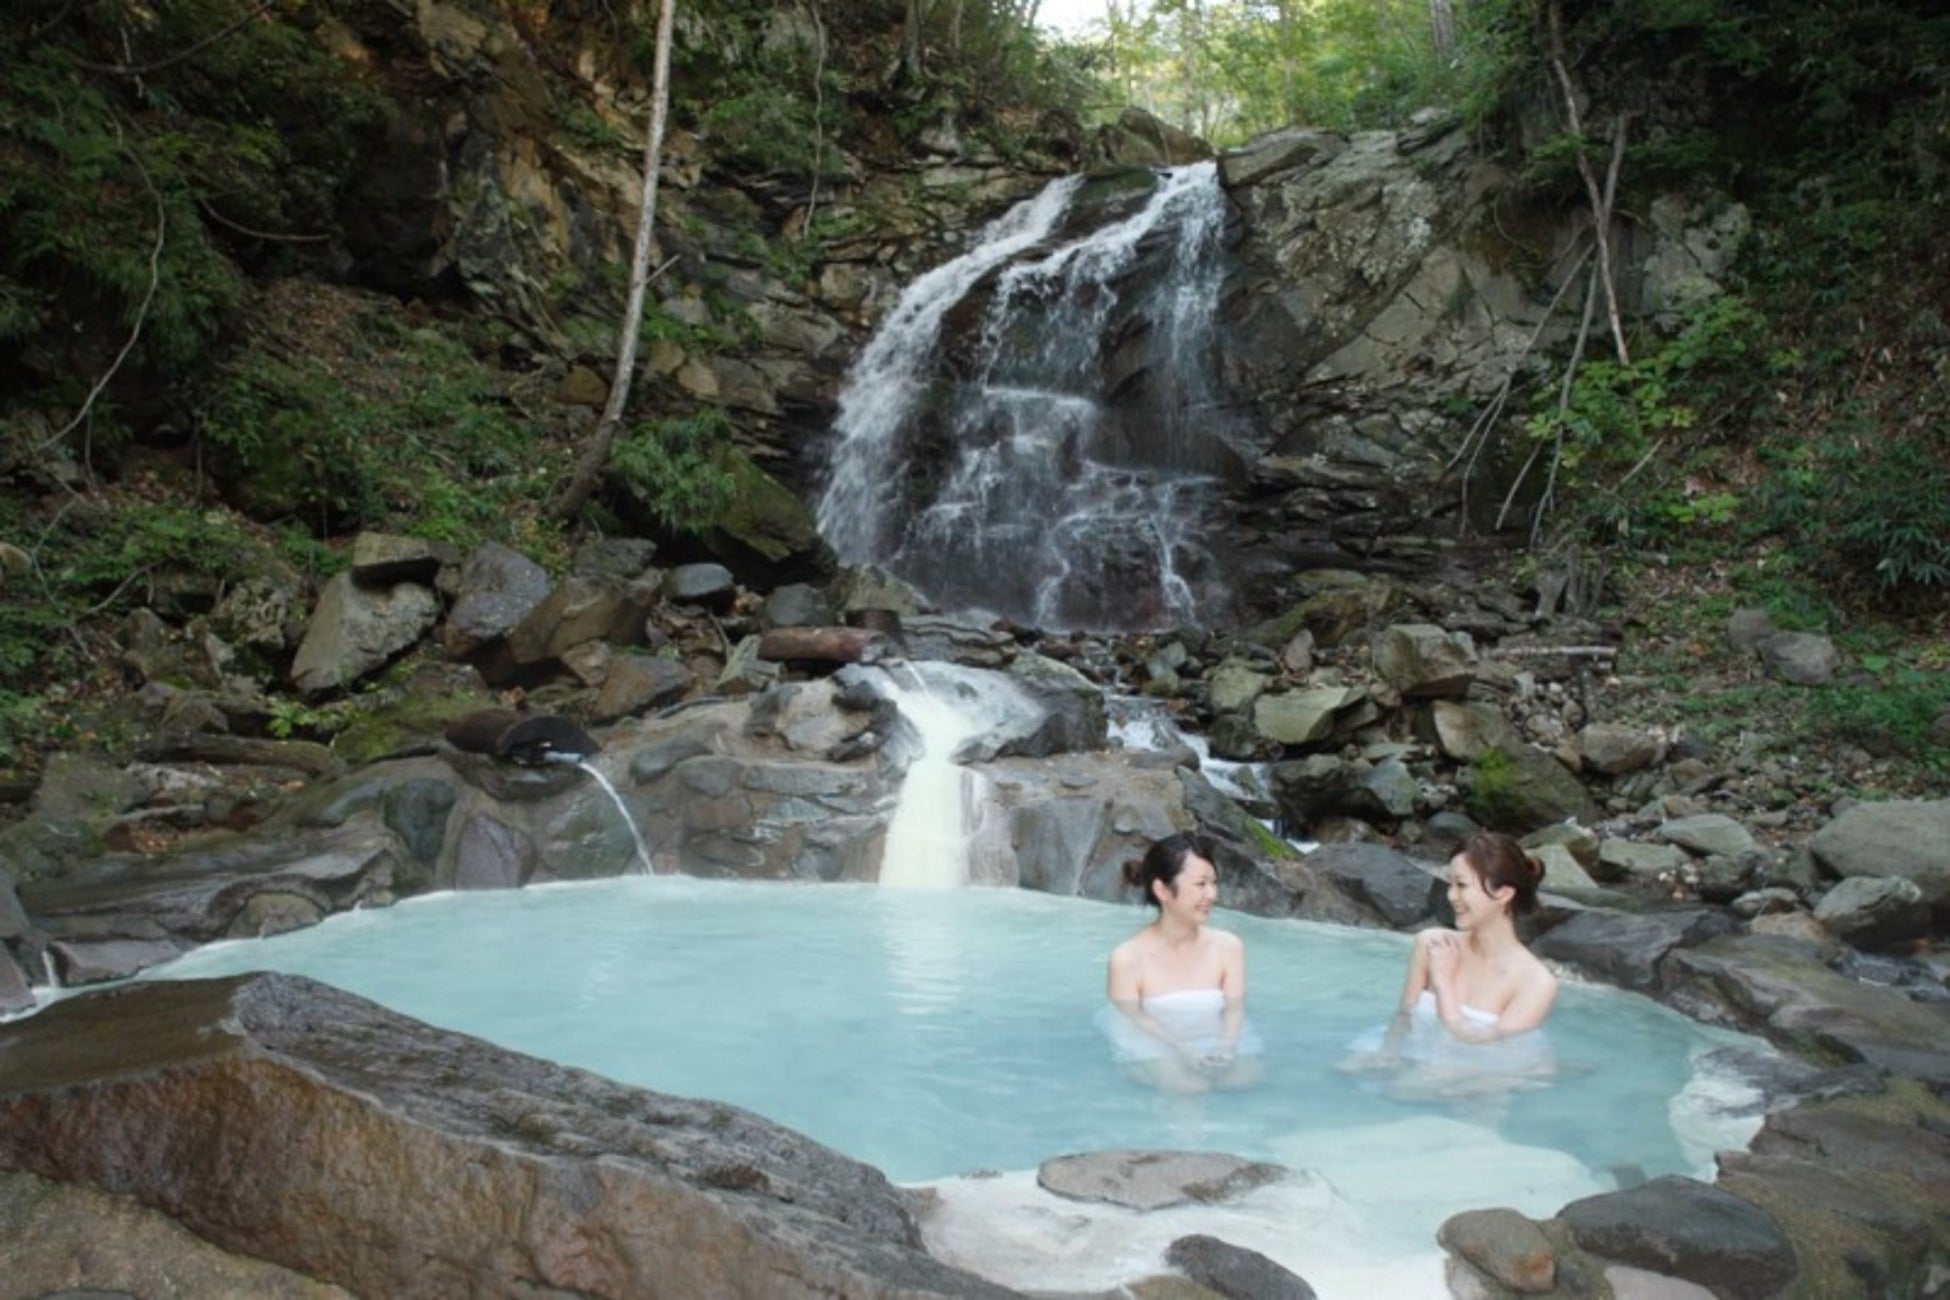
(1412, 986)
(1523, 1013)
(1232, 980)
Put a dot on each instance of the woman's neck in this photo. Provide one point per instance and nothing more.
(1176, 933)
(1494, 938)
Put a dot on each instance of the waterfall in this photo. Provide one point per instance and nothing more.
(1056, 460)
(567, 759)
(941, 804)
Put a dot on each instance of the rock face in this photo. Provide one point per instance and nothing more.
(287, 1121)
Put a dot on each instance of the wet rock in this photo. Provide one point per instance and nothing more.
(1505, 1245)
(16, 993)
(1234, 685)
(1074, 719)
(1690, 1230)
(1055, 840)
(381, 1155)
(1155, 1180)
(490, 854)
(1235, 1272)
(1783, 984)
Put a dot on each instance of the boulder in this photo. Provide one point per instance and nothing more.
(382, 1155)
(1420, 659)
(1907, 838)
(1628, 948)
(1402, 891)
(1874, 912)
(1468, 729)
(1505, 1245)
(1617, 750)
(497, 588)
(1234, 1271)
(1802, 658)
(355, 629)
(1687, 1229)
(1521, 789)
(1709, 835)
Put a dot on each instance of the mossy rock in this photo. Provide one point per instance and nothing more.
(1518, 789)
(403, 725)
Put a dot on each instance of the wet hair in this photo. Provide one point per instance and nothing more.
(1498, 861)
(1163, 861)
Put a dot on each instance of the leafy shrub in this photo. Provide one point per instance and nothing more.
(675, 468)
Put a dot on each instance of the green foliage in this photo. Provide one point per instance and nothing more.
(420, 442)
(1870, 503)
(1492, 788)
(675, 468)
(1891, 713)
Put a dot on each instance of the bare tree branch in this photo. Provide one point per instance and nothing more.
(575, 493)
(1594, 193)
(143, 70)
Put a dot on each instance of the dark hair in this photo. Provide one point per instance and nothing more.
(1498, 861)
(1163, 861)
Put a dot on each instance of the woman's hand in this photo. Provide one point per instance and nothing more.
(1445, 958)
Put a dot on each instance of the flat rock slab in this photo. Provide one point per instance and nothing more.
(1154, 1180)
(287, 1121)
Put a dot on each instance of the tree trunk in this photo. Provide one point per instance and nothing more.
(910, 66)
(575, 494)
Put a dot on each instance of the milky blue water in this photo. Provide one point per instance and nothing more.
(939, 1032)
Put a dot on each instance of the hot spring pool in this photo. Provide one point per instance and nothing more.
(935, 1033)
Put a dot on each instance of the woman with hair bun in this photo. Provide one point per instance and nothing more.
(1177, 1013)
(1476, 986)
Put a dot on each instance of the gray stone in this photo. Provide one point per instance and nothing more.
(1908, 838)
(498, 587)
(1073, 715)
(797, 605)
(490, 854)
(1803, 658)
(1468, 729)
(1055, 840)
(1747, 628)
(1709, 834)
(1302, 717)
(1420, 659)
(97, 962)
(1234, 685)
(416, 810)
(1617, 750)
(710, 585)
(1387, 790)
(1235, 1272)
(865, 587)
(355, 630)
(1690, 1230)
(1875, 912)
(636, 682)
(1155, 1180)
(1402, 891)
(615, 560)
(1504, 1244)
(16, 992)
(1523, 789)
(579, 611)
(1627, 948)
(382, 559)
(1562, 870)
(1627, 860)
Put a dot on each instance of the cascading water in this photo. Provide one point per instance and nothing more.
(939, 811)
(1058, 461)
(623, 810)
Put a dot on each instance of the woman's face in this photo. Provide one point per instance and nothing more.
(1473, 904)
(1193, 891)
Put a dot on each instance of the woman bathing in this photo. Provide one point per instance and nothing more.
(1177, 987)
(1475, 998)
